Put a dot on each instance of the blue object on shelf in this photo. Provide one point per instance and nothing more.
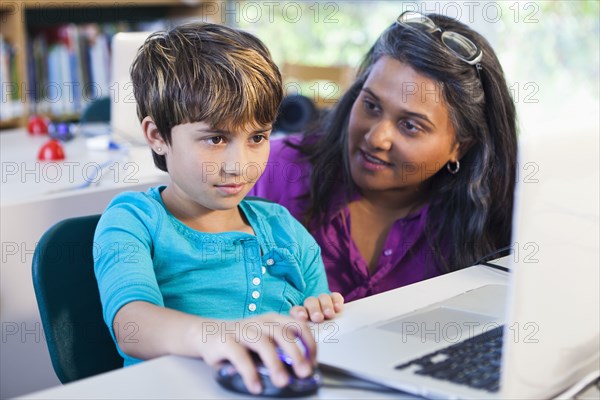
(63, 131)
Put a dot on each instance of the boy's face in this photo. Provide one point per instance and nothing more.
(214, 168)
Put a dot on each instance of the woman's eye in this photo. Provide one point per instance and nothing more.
(369, 105)
(409, 127)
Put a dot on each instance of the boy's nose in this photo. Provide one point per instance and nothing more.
(231, 167)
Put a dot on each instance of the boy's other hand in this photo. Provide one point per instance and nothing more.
(318, 309)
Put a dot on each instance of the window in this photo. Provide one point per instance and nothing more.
(549, 49)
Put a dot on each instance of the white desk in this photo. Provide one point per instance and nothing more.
(173, 377)
(25, 179)
(177, 377)
(31, 202)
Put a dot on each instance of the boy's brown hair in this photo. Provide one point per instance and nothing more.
(205, 72)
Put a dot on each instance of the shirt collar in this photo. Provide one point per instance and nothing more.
(339, 204)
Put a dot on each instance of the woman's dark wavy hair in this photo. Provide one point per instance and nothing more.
(472, 210)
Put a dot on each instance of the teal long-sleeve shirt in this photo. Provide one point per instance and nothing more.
(143, 253)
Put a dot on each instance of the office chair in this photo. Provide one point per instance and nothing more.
(296, 114)
(78, 340)
(97, 110)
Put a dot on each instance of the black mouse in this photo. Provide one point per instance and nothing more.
(230, 379)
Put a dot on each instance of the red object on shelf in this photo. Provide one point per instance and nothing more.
(51, 151)
(37, 125)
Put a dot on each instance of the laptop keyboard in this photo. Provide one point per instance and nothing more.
(474, 362)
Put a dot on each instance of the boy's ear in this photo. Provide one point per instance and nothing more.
(153, 137)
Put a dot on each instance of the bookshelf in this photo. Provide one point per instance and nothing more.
(21, 22)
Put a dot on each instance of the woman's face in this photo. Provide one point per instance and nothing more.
(399, 132)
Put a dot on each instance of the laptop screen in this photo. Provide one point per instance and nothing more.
(553, 323)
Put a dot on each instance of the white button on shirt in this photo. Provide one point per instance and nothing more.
(270, 262)
(255, 294)
(256, 281)
(264, 270)
(387, 252)
(252, 307)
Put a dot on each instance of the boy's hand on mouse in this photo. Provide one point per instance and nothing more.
(318, 309)
(262, 334)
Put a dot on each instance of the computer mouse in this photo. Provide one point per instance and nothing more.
(229, 378)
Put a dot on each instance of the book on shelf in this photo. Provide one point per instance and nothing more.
(70, 66)
(10, 89)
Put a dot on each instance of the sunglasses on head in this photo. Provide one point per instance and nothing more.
(459, 45)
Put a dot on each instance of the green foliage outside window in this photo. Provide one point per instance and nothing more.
(549, 49)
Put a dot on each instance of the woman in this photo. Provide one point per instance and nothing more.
(412, 174)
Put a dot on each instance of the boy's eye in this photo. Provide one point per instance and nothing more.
(216, 140)
(258, 138)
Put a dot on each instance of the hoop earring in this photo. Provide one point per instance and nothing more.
(453, 170)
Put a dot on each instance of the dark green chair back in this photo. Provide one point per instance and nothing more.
(96, 111)
(67, 294)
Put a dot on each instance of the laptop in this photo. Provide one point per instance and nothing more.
(124, 120)
(534, 331)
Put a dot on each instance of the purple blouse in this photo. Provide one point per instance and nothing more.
(406, 256)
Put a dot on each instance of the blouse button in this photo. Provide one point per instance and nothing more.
(264, 270)
(252, 307)
(270, 262)
(255, 294)
(387, 252)
(256, 281)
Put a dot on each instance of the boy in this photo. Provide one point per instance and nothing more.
(192, 268)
